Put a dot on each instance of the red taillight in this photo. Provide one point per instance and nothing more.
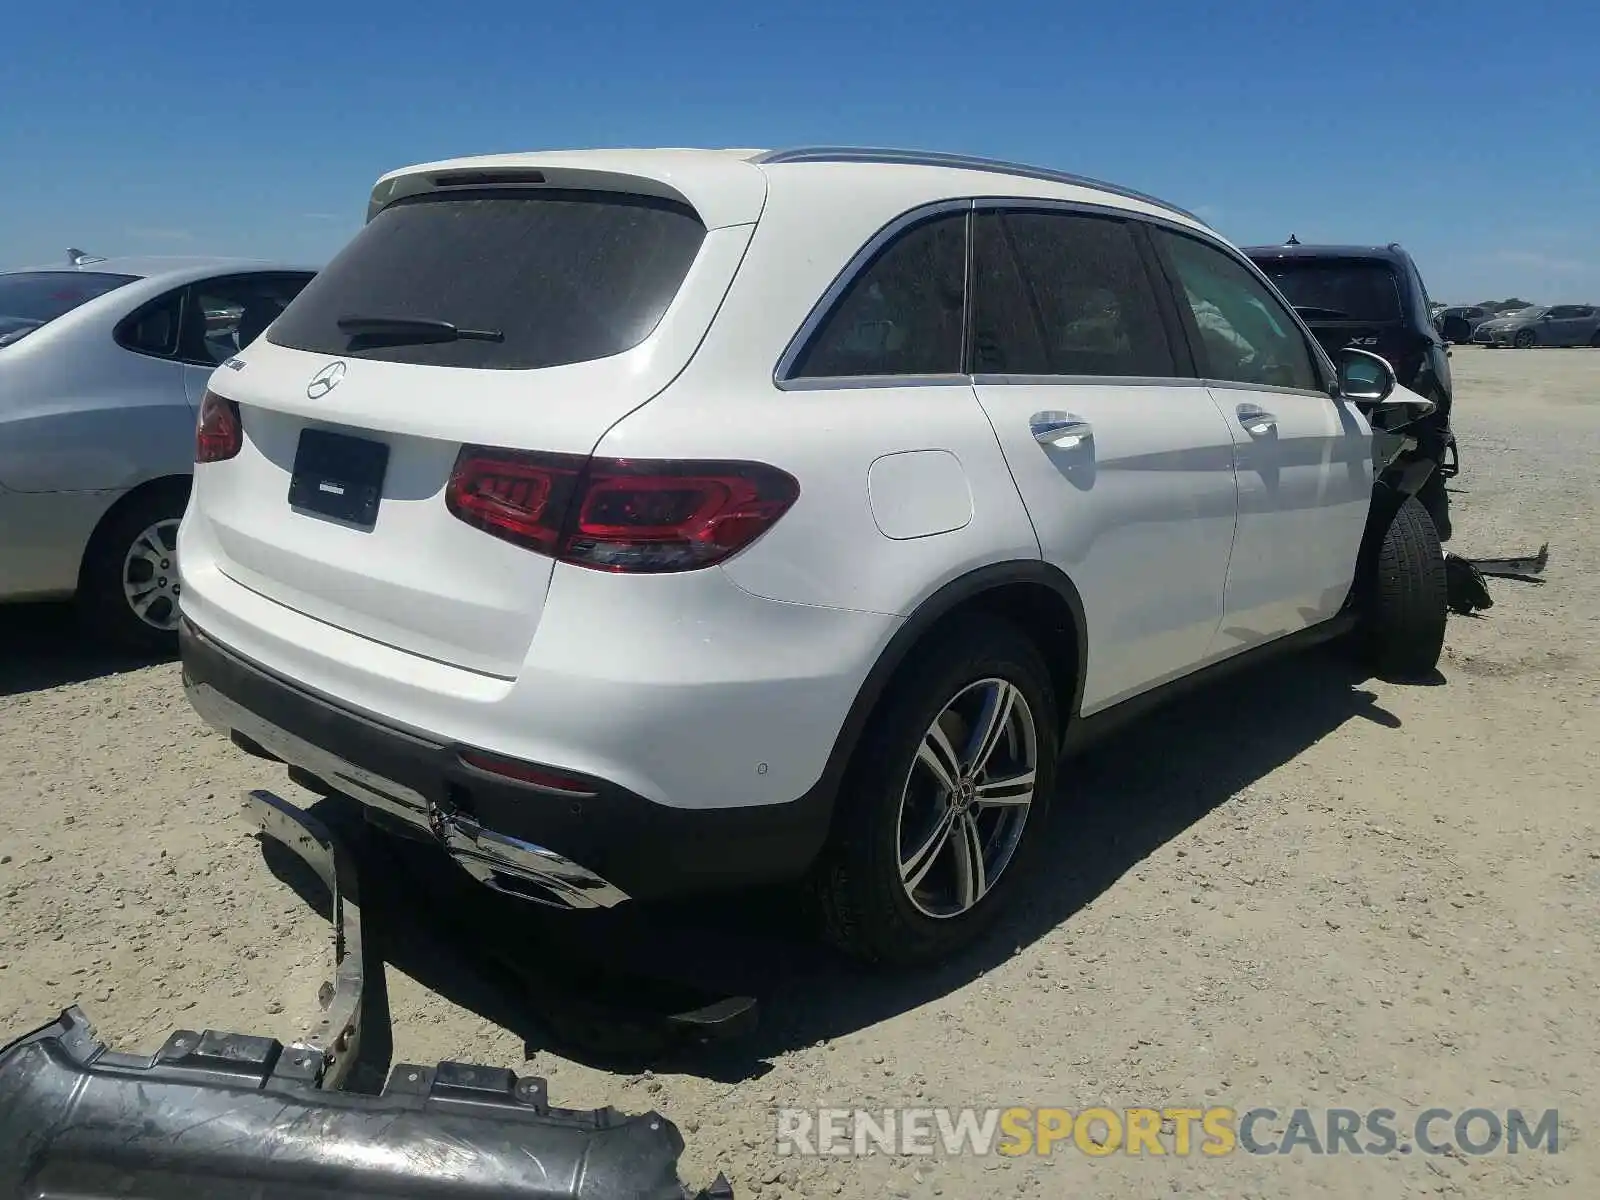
(219, 434)
(610, 514)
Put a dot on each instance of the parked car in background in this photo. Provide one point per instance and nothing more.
(1458, 324)
(1373, 298)
(1553, 325)
(635, 523)
(102, 365)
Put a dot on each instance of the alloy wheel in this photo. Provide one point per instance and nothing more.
(966, 798)
(150, 575)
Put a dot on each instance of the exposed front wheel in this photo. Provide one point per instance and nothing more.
(1405, 597)
(947, 793)
(128, 588)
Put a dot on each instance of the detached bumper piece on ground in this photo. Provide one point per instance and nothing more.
(1465, 577)
(212, 1115)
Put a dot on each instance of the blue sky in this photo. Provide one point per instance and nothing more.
(1470, 131)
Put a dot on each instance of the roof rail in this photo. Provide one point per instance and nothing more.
(963, 162)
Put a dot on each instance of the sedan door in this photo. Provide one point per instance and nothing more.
(1304, 457)
(1121, 456)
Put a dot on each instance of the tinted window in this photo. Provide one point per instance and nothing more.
(29, 299)
(559, 276)
(1338, 289)
(153, 328)
(1063, 294)
(1246, 335)
(902, 314)
(226, 315)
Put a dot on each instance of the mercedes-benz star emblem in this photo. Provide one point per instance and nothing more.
(325, 380)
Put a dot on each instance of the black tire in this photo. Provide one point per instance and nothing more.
(1405, 600)
(1526, 339)
(104, 607)
(866, 910)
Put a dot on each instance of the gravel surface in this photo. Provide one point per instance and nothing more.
(1301, 888)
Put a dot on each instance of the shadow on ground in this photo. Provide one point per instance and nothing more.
(44, 646)
(599, 987)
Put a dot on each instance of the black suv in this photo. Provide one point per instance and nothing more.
(1373, 297)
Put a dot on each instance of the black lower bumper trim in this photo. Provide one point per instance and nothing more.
(647, 850)
(224, 1114)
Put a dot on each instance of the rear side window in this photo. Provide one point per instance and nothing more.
(901, 314)
(539, 279)
(153, 328)
(1338, 289)
(29, 299)
(1060, 293)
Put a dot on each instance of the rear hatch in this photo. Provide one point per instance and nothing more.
(529, 318)
(1351, 302)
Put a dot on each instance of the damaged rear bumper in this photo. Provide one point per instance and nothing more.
(215, 1114)
(226, 1114)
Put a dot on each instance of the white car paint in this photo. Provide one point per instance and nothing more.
(728, 687)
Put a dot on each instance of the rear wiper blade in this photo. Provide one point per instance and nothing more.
(1313, 312)
(414, 329)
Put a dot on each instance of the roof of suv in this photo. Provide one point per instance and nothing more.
(1392, 253)
(724, 186)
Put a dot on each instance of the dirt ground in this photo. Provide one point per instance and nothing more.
(1302, 888)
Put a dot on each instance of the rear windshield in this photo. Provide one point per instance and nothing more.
(29, 299)
(538, 279)
(1338, 289)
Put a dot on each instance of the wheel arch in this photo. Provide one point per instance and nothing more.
(1036, 596)
(138, 494)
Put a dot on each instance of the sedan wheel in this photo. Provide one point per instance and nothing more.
(128, 586)
(1524, 339)
(966, 800)
(150, 575)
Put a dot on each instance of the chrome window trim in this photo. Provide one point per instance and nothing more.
(843, 383)
(1003, 380)
(859, 261)
(1235, 385)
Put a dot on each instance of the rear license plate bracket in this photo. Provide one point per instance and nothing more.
(339, 476)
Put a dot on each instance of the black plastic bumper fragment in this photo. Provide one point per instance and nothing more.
(215, 1115)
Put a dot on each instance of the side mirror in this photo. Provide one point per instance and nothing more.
(1364, 378)
(1546, 317)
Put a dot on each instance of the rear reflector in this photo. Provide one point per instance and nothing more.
(219, 433)
(523, 772)
(624, 515)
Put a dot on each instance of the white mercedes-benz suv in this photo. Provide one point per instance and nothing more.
(642, 522)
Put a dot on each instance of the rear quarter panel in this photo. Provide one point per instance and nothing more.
(831, 549)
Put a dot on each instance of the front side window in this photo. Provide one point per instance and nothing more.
(226, 315)
(901, 314)
(1058, 293)
(1246, 335)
